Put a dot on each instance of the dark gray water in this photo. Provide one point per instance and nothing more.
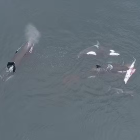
(50, 96)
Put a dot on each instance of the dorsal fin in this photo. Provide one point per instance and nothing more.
(97, 45)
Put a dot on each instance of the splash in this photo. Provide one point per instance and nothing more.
(32, 34)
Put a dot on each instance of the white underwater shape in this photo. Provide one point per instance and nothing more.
(11, 69)
(122, 71)
(110, 67)
(112, 52)
(9, 77)
(92, 76)
(31, 50)
(92, 53)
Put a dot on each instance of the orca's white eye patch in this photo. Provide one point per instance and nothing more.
(11, 69)
(91, 53)
(112, 52)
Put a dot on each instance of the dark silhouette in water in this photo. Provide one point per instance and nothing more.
(98, 51)
(32, 36)
(12, 66)
(19, 54)
(110, 68)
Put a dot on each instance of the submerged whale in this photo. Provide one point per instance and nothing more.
(16, 60)
(116, 69)
(32, 36)
(101, 53)
(98, 51)
(19, 54)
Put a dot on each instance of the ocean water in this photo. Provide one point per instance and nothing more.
(50, 96)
